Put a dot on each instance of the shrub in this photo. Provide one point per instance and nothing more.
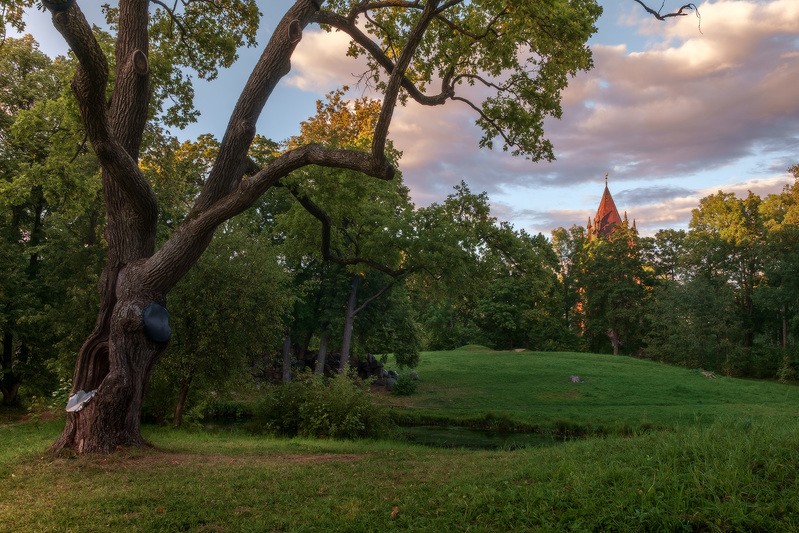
(407, 383)
(309, 406)
(220, 411)
(786, 372)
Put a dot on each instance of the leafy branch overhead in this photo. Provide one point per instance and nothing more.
(506, 62)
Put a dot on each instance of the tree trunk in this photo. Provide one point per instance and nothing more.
(116, 361)
(349, 323)
(287, 358)
(9, 382)
(784, 327)
(614, 340)
(320, 359)
(182, 395)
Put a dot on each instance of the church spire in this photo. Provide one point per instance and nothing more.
(607, 216)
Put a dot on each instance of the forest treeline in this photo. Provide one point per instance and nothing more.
(335, 265)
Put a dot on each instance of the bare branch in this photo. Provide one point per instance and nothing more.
(509, 141)
(679, 13)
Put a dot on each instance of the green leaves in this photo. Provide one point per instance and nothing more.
(508, 61)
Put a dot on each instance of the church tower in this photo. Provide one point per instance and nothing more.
(607, 216)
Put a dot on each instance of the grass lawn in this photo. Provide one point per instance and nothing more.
(615, 393)
(727, 460)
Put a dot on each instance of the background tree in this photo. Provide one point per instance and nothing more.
(221, 324)
(780, 293)
(615, 285)
(569, 246)
(729, 236)
(49, 219)
(351, 228)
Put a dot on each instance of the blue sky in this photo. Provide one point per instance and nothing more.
(672, 113)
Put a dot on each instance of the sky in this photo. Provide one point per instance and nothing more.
(672, 112)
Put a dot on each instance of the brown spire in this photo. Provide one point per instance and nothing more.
(607, 216)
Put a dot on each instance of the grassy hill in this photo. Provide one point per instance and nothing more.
(727, 460)
(614, 394)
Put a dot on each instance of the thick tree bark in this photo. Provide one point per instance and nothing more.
(116, 361)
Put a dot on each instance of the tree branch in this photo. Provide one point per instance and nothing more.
(378, 294)
(397, 75)
(89, 85)
(373, 49)
(273, 65)
(179, 253)
(318, 213)
(679, 13)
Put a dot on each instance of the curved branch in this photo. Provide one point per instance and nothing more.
(365, 6)
(394, 84)
(180, 252)
(679, 13)
(318, 213)
(373, 49)
(487, 119)
(89, 86)
(272, 66)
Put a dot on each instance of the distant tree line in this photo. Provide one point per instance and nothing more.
(722, 296)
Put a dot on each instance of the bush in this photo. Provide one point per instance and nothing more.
(787, 371)
(407, 383)
(309, 406)
(219, 411)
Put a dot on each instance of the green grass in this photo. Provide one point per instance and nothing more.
(731, 467)
(618, 394)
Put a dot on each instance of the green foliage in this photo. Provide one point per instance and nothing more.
(309, 406)
(787, 372)
(220, 411)
(499, 287)
(227, 310)
(407, 383)
(521, 55)
(50, 222)
(693, 324)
